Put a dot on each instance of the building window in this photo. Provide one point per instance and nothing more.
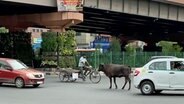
(34, 30)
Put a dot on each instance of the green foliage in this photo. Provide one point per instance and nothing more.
(67, 42)
(67, 46)
(67, 61)
(130, 49)
(169, 47)
(17, 45)
(49, 42)
(177, 48)
(3, 30)
(115, 45)
(6, 41)
(48, 62)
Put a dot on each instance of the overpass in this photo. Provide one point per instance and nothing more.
(146, 20)
(20, 14)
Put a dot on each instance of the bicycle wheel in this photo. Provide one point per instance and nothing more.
(63, 76)
(95, 77)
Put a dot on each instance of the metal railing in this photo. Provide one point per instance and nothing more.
(136, 59)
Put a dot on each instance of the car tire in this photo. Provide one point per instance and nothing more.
(147, 88)
(36, 85)
(19, 83)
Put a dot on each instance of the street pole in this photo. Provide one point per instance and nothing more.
(57, 49)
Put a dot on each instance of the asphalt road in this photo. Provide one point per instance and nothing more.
(55, 92)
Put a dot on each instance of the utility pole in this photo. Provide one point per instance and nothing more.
(57, 49)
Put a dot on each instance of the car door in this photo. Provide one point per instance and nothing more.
(177, 76)
(159, 74)
(5, 75)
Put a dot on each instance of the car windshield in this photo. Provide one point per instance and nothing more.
(16, 64)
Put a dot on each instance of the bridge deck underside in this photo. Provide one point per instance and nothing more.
(133, 26)
(12, 8)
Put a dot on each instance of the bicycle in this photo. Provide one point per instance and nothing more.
(71, 75)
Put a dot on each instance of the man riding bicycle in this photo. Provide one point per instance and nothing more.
(82, 64)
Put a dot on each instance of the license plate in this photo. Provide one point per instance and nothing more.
(40, 82)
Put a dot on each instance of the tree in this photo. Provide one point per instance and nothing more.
(67, 42)
(169, 46)
(115, 45)
(115, 48)
(130, 49)
(49, 42)
(67, 45)
(64, 43)
(3, 30)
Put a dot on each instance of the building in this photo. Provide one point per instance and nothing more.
(87, 40)
(36, 38)
(84, 40)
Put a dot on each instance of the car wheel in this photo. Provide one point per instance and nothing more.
(36, 85)
(147, 88)
(19, 83)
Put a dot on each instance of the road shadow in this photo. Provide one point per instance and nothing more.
(76, 82)
(164, 94)
(13, 86)
(111, 90)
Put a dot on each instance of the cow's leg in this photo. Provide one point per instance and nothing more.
(129, 83)
(125, 83)
(115, 82)
(110, 78)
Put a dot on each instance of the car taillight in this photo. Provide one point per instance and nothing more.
(136, 73)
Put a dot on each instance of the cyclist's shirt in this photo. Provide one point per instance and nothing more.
(82, 62)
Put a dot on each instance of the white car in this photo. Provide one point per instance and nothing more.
(160, 74)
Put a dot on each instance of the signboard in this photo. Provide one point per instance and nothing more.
(70, 5)
(36, 43)
(37, 40)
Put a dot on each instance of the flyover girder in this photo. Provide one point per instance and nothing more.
(148, 8)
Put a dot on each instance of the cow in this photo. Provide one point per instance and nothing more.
(116, 70)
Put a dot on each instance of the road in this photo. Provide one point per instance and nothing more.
(55, 92)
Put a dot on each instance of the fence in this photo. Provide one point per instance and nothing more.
(133, 59)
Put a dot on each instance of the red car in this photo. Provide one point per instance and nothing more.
(16, 72)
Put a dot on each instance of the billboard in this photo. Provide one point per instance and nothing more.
(70, 5)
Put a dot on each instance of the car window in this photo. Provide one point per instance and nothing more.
(158, 66)
(182, 66)
(177, 65)
(2, 64)
(16, 64)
